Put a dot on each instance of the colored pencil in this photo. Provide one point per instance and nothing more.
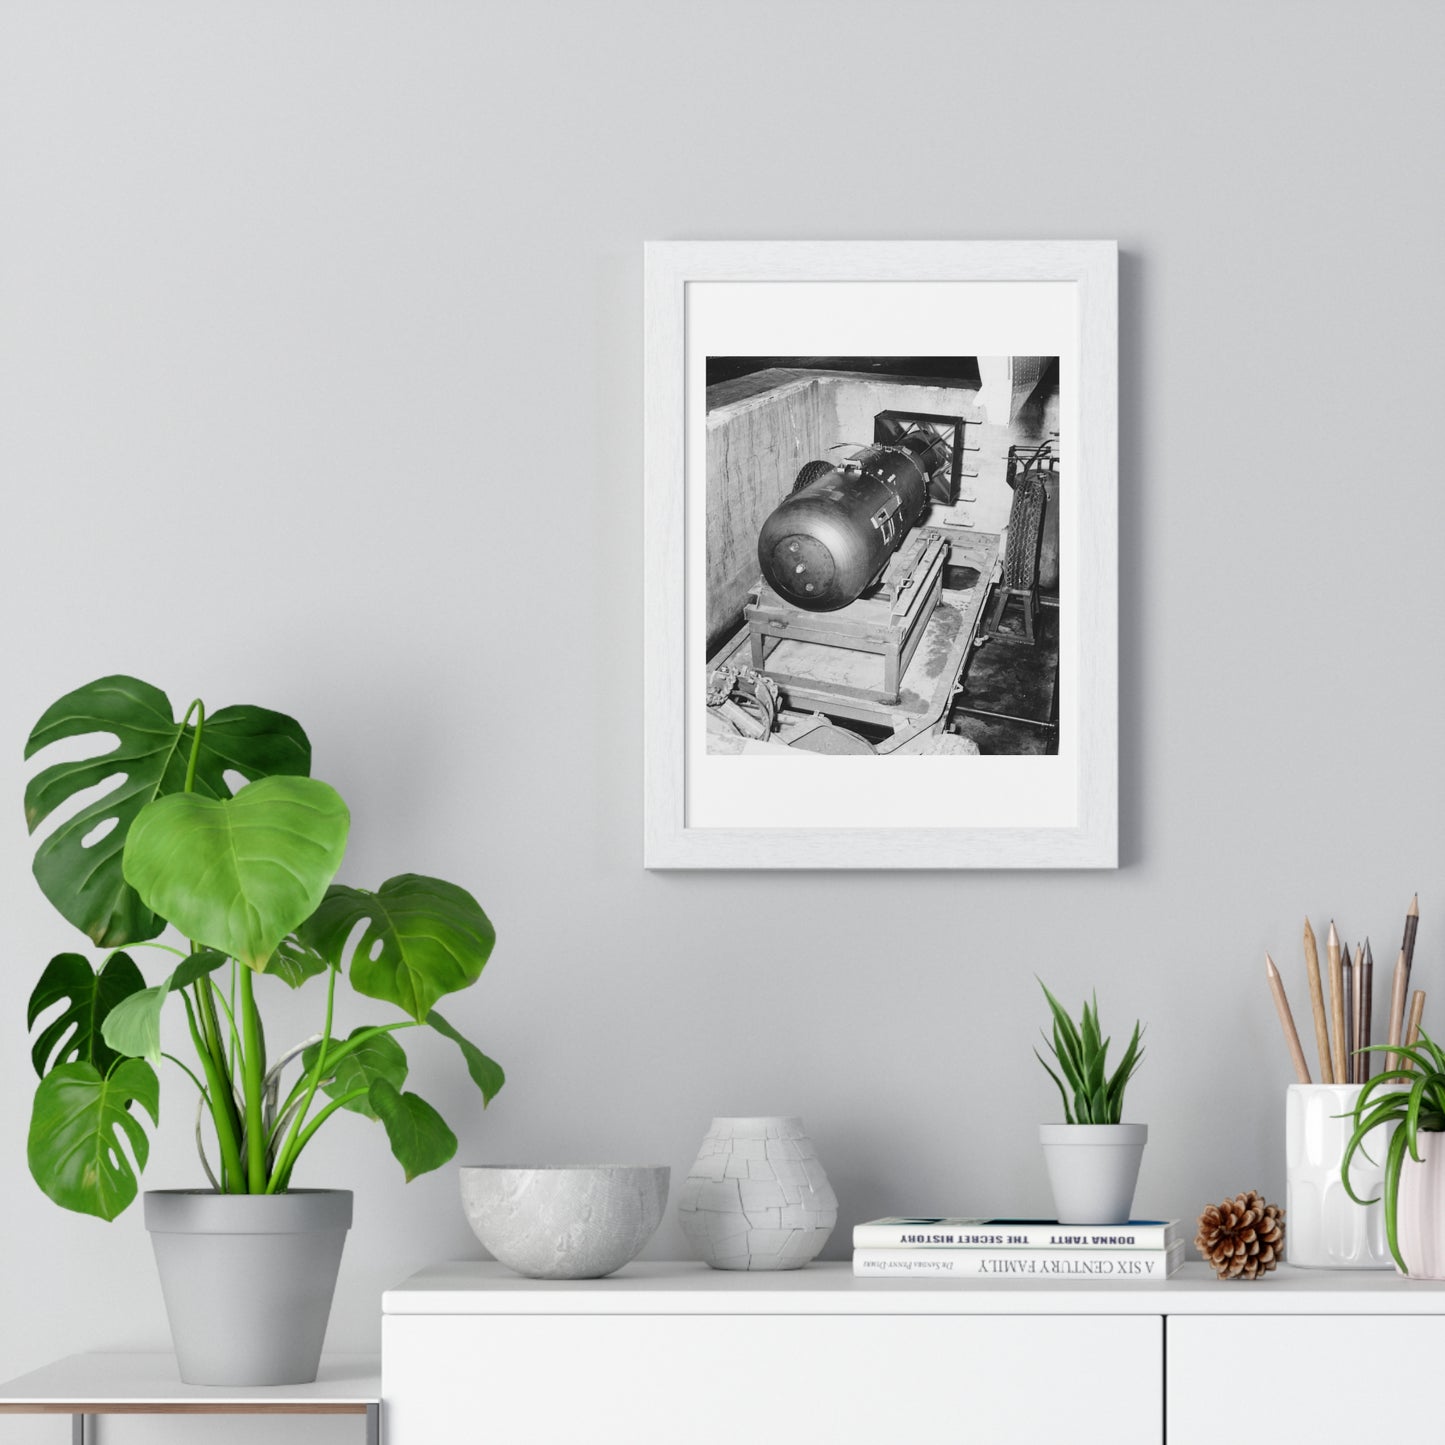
(1397, 1012)
(1407, 944)
(1317, 1003)
(1335, 965)
(1366, 970)
(1412, 1031)
(1286, 1021)
(1347, 993)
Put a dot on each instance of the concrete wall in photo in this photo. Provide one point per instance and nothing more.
(756, 446)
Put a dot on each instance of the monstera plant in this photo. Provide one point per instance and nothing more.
(212, 825)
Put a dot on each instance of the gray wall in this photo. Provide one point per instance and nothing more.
(288, 296)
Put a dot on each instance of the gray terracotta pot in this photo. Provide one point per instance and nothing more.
(248, 1280)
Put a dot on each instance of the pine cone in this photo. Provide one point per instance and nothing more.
(1242, 1237)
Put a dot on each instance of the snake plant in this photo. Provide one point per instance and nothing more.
(1414, 1110)
(1081, 1052)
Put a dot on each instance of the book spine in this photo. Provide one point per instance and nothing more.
(1015, 1264)
(1049, 1236)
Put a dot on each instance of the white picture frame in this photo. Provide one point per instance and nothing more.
(1090, 838)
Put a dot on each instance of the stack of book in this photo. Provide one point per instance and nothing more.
(1016, 1249)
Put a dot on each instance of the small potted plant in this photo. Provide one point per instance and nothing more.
(1093, 1158)
(1408, 1102)
(245, 874)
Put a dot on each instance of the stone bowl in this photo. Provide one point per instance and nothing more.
(564, 1222)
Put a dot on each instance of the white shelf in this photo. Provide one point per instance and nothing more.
(474, 1287)
(150, 1383)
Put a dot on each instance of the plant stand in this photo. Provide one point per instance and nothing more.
(82, 1386)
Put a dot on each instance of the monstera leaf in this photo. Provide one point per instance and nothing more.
(86, 883)
(198, 965)
(80, 1123)
(423, 938)
(75, 1035)
(418, 1135)
(293, 962)
(133, 1027)
(486, 1073)
(239, 874)
(379, 1057)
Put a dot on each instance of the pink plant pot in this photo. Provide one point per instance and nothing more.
(1421, 1213)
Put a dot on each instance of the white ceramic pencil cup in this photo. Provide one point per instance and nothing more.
(1324, 1227)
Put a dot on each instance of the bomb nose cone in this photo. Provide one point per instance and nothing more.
(800, 568)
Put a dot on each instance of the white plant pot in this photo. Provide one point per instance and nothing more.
(1093, 1169)
(1324, 1227)
(1420, 1219)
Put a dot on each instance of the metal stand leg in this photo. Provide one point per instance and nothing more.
(78, 1432)
(373, 1425)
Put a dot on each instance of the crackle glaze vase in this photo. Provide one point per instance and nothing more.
(756, 1196)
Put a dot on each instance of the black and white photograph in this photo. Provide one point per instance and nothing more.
(883, 555)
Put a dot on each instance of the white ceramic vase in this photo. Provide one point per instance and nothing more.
(757, 1197)
(1324, 1227)
(1093, 1169)
(1420, 1217)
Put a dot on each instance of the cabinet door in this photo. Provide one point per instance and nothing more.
(718, 1380)
(1287, 1377)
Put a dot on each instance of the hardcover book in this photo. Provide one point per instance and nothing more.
(940, 1233)
(1118, 1264)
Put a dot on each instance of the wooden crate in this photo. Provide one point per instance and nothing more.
(890, 623)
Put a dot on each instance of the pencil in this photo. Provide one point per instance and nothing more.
(1417, 1012)
(1286, 1021)
(1347, 993)
(1357, 1009)
(1397, 1012)
(1367, 997)
(1317, 1003)
(1337, 1004)
(1407, 945)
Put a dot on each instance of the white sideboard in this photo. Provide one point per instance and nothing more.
(678, 1352)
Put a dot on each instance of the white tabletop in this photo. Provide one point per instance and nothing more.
(346, 1384)
(474, 1287)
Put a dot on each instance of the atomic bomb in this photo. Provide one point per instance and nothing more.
(831, 537)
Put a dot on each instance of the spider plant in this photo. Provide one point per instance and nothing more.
(1081, 1052)
(1418, 1109)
